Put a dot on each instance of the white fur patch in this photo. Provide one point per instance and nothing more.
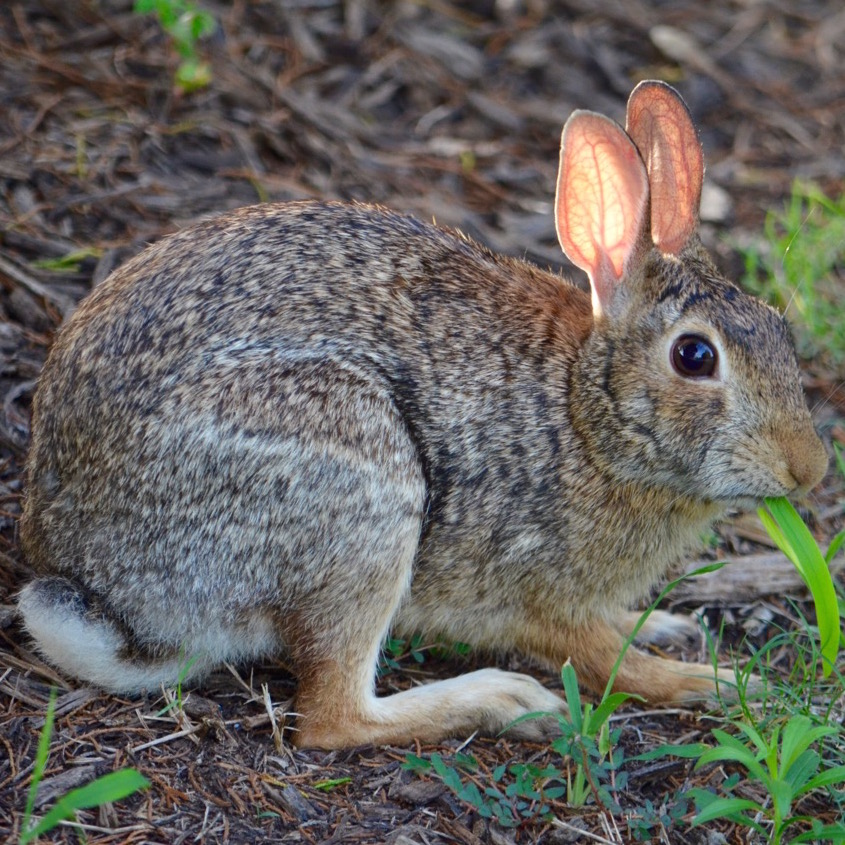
(88, 650)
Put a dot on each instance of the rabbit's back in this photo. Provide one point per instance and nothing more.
(409, 303)
(193, 398)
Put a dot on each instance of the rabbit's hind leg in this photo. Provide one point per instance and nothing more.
(74, 632)
(353, 542)
(335, 632)
(662, 629)
(335, 640)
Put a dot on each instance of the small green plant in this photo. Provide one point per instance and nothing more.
(785, 765)
(104, 790)
(645, 822)
(800, 268)
(176, 704)
(592, 768)
(776, 750)
(512, 795)
(395, 649)
(518, 792)
(186, 24)
(587, 741)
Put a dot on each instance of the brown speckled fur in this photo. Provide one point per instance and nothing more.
(299, 426)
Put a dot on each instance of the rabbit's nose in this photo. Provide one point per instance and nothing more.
(806, 458)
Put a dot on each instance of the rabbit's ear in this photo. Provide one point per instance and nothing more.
(660, 124)
(601, 206)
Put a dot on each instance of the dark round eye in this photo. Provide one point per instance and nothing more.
(694, 356)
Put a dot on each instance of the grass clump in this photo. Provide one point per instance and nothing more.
(800, 268)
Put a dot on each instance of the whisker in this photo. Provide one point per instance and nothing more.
(828, 397)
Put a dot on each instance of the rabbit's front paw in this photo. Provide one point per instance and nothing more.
(510, 697)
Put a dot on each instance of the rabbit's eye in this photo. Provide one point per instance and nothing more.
(694, 356)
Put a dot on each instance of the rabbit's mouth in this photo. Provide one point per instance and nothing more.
(744, 504)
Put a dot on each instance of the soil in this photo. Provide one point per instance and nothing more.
(449, 110)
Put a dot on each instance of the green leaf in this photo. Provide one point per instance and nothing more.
(71, 261)
(743, 756)
(607, 707)
(782, 797)
(727, 740)
(103, 790)
(796, 738)
(801, 770)
(413, 763)
(725, 808)
(798, 735)
(193, 74)
(573, 696)
(829, 777)
(472, 795)
(773, 530)
(754, 735)
(797, 543)
(687, 752)
(822, 833)
(329, 784)
(730, 748)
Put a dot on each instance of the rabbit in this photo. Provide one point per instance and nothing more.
(300, 426)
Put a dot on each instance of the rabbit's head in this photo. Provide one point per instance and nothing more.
(685, 381)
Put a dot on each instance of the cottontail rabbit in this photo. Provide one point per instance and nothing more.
(300, 426)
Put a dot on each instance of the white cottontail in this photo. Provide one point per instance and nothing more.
(300, 426)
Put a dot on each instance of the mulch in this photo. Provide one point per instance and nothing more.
(449, 110)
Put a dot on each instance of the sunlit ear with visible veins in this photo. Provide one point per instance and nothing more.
(601, 204)
(660, 124)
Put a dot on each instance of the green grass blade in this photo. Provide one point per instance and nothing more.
(103, 790)
(703, 570)
(773, 530)
(41, 755)
(835, 545)
(797, 543)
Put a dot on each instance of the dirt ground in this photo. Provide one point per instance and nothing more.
(452, 111)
